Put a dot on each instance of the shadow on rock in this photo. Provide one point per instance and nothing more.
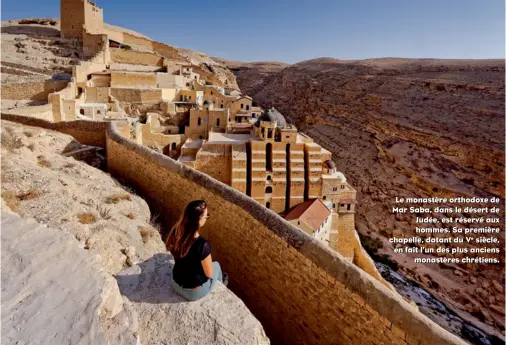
(149, 281)
(33, 31)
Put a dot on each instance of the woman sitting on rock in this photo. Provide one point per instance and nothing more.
(194, 274)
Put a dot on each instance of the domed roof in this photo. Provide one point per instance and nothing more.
(328, 164)
(272, 115)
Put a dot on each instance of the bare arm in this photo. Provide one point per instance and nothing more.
(207, 265)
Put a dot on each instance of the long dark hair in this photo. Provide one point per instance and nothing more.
(181, 236)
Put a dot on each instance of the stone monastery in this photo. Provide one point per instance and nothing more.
(205, 124)
(191, 115)
(176, 129)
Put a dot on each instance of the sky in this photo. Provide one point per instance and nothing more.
(296, 30)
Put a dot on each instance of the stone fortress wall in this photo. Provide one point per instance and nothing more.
(301, 291)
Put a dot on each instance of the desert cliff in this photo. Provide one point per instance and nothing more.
(403, 127)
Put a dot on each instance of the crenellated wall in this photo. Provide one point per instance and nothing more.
(301, 291)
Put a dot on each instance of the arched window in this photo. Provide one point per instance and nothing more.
(268, 205)
(174, 146)
(199, 121)
(221, 105)
(269, 177)
(268, 190)
(217, 122)
(247, 106)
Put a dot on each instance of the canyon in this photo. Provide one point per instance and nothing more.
(404, 128)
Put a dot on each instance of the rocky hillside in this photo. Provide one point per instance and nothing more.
(82, 248)
(403, 127)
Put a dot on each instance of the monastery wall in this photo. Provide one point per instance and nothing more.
(134, 95)
(133, 79)
(119, 55)
(94, 18)
(72, 18)
(36, 91)
(286, 278)
(216, 160)
(94, 44)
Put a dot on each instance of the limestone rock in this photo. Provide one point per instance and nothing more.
(53, 292)
(166, 318)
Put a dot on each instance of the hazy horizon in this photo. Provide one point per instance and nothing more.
(303, 30)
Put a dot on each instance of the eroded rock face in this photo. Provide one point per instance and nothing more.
(42, 179)
(54, 292)
(167, 318)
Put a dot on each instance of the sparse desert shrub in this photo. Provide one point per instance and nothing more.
(10, 141)
(86, 218)
(147, 233)
(30, 194)
(44, 162)
(105, 213)
(11, 201)
(115, 199)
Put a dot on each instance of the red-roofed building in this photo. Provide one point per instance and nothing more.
(312, 217)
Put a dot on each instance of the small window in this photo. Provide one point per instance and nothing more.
(242, 105)
(268, 205)
(324, 197)
(333, 206)
(348, 207)
(200, 137)
(247, 106)
(269, 178)
(268, 190)
(173, 146)
(199, 121)
(195, 77)
(218, 122)
(342, 186)
(342, 205)
(221, 105)
(98, 112)
(190, 97)
(188, 84)
(81, 111)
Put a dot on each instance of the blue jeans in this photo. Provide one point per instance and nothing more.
(204, 289)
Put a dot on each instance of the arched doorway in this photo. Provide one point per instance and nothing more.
(268, 190)
(268, 205)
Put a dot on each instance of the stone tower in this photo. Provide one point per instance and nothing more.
(79, 15)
